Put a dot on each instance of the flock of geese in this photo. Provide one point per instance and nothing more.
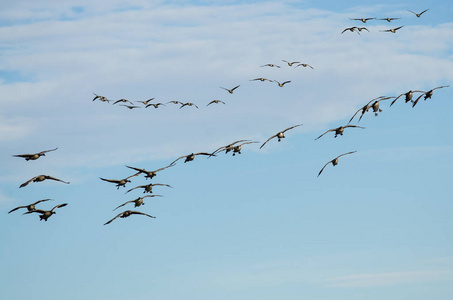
(234, 147)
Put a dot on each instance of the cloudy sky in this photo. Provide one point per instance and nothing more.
(257, 225)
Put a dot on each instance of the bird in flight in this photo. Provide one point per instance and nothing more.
(291, 63)
(40, 178)
(365, 108)
(227, 148)
(139, 201)
(260, 79)
(362, 28)
(130, 106)
(128, 213)
(303, 65)
(339, 130)
(148, 188)
(270, 65)
(428, 94)
(216, 102)
(189, 157)
(231, 90)
(29, 207)
(280, 135)
(45, 214)
(155, 105)
(283, 83)
(334, 161)
(418, 15)
(101, 98)
(120, 182)
(408, 96)
(375, 105)
(362, 19)
(123, 100)
(148, 174)
(175, 102)
(188, 104)
(34, 156)
(389, 19)
(146, 102)
(393, 30)
(238, 148)
(351, 29)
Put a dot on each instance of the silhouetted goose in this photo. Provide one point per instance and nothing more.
(227, 148)
(375, 105)
(339, 130)
(45, 214)
(29, 207)
(146, 102)
(362, 28)
(216, 102)
(260, 79)
(334, 161)
(303, 65)
(40, 178)
(408, 96)
(188, 104)
(231, 90)
(175, 102)
(418, 15)
(155, 105)
(238, 148)
(291, 63)
(363, 19)
(101, 98)
(139, 201)
(148, 188)
(280, 135)
(130, 106)
(120, 182)
(389, 19)
(392, 30)
(351, 29)
(365, 108)
(189, 157)
(149, 174)
(122, 100)
(428, 94)
(34, 156)
(283, 83)
(270, 65)
(128, 213)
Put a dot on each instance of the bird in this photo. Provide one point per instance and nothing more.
(291, 63)
(120, 182)
(122, 100)
(148, 188)
(365, 108)
(389, 19)
(130, 106)
(428, 94)
(231, 90)
(29, 207)
(149, 174)
(270, 65)
(155, 105)
(339, 130)
(375, 104)
(146, 101)
(362, 28)
(303, 65)
(189, 157)
(283, 83)
(128, 213)
(238, 148)
(175, 102)
(40, 178)
(392, 30)
(227, 148)
(280, 135)
(188, 104)
(45, 214)
(137, 202)
(215, 101)
(101, 98)
(419, 15)
(362, 19)
(260, 79)
(34, 156)
(334, 161)
(351, 29)
(408, 96)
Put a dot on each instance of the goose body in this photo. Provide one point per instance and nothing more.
(334, 161)
(34, 156)
(40, 178)
(29, 207)
(128, 213)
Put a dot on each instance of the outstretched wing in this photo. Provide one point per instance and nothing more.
(110, 180)
(59, 205)
(235, 87)
(323, 168)
(268, 140)
(56, 179)
(27, 182)
(173, 162)
(137, 187)
(14, 209)
(325, 133)
(133, 212)
(39, 201)
(114, 218)
(124, 204)
(45, 151)
(346, 154)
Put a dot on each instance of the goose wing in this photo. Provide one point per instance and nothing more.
(137, 187)
(59, 205)
(114, 218)
(111, 180)
(56, 179)
(14, 209)
(324, 168)
(133, 212)
(27, 182)
(45, 151)
(124, 204)
(325, 133)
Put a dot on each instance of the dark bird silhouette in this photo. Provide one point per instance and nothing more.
(303, 65)
(364, 20)
(334, 161)
(375, 105)
(175, 102)
(283, 83)
(227, 148)
(260, 79)
(101, 98)
(237, 149)
(270, 65)
(139, 201)
(148, 174)
(123, 100)
(128, 213)
(189, 157)
(45, 214)
(428, 94)
(291, 63)
(408, 96)
(130, 106)
(231, 90)
(351, 29)
(392, 30)
(148, 188)
(339, 130)
(29, 207)
(146, 102)
(188, 104)
(216, 102)
(155, 105)
(280, 135)
(420, 14)
(362, 28)
(365, 108)
(40, 178)
(120, 182)
(34, 156)
(389, 19)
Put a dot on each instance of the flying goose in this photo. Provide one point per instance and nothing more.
(351, 29)
(408, 96)
(148, 188)
(389, 19)
(29, 207)
(227, 148)
(392, 30)
(188, 104)
(149, 174)
(128, 213)
(101, 98)
(216, 102)
(362, 28)
(334, 161)
(270, 65)
(130, 106)
(428, 94)
(231, 90)
(303, 65)
(363, 19)
(122, 100)
(45, 214)
(260, 79)
(120, 182)
(155, 105)
(291, 63)
(365, 108)
(189, 157)
(418, 15)
(280, 135)
(40, 178)
(146, 101)
(375, 104)
(34, 156)
(238, 148)
(138, 201)
(175, 102)
(339, 130)
(283, 83)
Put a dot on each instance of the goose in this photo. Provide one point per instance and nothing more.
(408, 96)
(40, 178)
(260, 79)
(189, 157)
(365, 108)
(148, 188)
(149, 174)
(231, 90)
(120, 182)
(45, 214)
(362, 28)
(428, 94)
(188, 104)
(227, 148)
(363, 19)
(34, 156)
(238, 148)
(303, 65)
(389, 19)
(334, 161)
(29, 207)
(392, 30)
(291, 63)
(280, 135)
(270, 65)
(418, 15)
(101, 98)
(375, 105)
(155, 105)
(146, 101)
(351, 29)
(339, 130)
(139, 201)
(216, 102)
(123, 100)
(128, 213)
(283, 83)
(130, 106)
(175, 102)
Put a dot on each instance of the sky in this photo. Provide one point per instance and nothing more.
(257, 225)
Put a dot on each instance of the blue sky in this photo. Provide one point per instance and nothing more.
(260, 225)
